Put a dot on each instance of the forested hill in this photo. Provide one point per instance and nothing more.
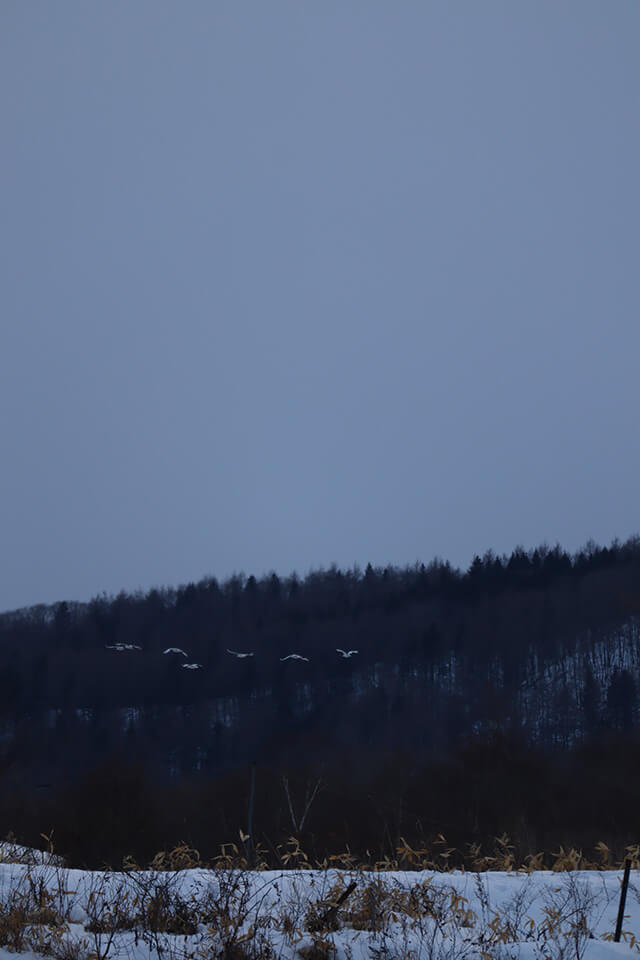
(540, 642)
(527, 666)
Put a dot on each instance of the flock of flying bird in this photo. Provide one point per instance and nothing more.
(293, 656)
(120, 647)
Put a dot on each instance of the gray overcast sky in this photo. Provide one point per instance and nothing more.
(286, 283)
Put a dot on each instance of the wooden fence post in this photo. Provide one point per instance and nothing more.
(623, 900)
(333, 909)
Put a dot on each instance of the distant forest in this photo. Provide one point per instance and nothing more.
(501, 698)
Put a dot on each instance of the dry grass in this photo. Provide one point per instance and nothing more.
(228, 918)
(437, 856)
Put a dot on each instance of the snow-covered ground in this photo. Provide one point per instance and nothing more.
(11, 852)
(77, 915)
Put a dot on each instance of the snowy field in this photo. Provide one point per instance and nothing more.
(46, 909)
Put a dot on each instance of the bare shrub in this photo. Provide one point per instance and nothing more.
(570, 911)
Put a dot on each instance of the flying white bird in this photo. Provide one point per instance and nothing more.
(294, 656)
(175, 650)
(122, 646)
(192, 666)
(346, 653)
(241, 656)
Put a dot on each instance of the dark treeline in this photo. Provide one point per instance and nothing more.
(504, 697)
